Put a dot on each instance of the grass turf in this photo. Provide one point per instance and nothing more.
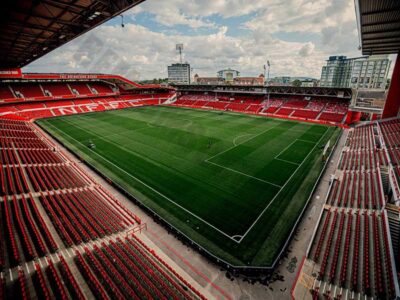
(233, 183)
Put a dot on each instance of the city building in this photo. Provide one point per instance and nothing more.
(370, 73)
(288, 81)
(336, 73)
(208, 80)
(250, 80)
(367, 72)
(228, 75)
(179, 73)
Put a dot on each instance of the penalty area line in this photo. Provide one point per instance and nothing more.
(244, 174)
(287, 181)
(287, 161)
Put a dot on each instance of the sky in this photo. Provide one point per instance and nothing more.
(296, 36)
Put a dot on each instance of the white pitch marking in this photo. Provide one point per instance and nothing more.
(230, 237)
(287, 161)
(149, 187)
(234, 140)
(306, 141)
(244, 174)
(285, 149)
(273, 199)
(230, 148)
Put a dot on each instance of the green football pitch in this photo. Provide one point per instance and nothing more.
(235, 184)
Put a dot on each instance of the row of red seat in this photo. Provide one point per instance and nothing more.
(53, 177)
(248, 107)
(97, 288)
(332, 117)
(25, 241)
(29, 231)
(317, 109)
(59, 108)
(5, 142)
(17, 134)
(53, 281)
(11, 125)
(72, 213)
(295, 104)
(13, 180)
(358, 189)
(82, 213)
(128, 270)
(153, 254)
(296, 108)
(363, 159)
(394, 155)
(365, 251)
(340, 239)
(35, 90)
(338, 107)
(38, 156)
(306, 114)
(8, 157)
(361, 138)
(328, 246)
(391, 132)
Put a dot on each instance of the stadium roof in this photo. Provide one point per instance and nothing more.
(379, 26)
(31, 28)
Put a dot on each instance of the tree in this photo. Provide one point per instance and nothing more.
(296, 83)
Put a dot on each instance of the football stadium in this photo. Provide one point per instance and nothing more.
(114, 189)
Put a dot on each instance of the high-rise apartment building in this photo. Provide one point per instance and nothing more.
(360, 72)
(370, 73)
(179, 73)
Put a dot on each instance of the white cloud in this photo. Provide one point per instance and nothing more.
(307, 49)
(140, 53)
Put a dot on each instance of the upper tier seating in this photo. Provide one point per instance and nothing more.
(81, 88)
(5, 92)
(45, 91)
(57, 89)
(97, 88)
(28, 90)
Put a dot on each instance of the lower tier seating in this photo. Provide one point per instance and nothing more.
(54, 281)
(53, 108)
(29, 231)
(126, 269)
(332, 111)
(358, 189)
(363, 159)
(332, 117)
(71, 214)
(351, 250)
(48, 205)
(306, 114)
